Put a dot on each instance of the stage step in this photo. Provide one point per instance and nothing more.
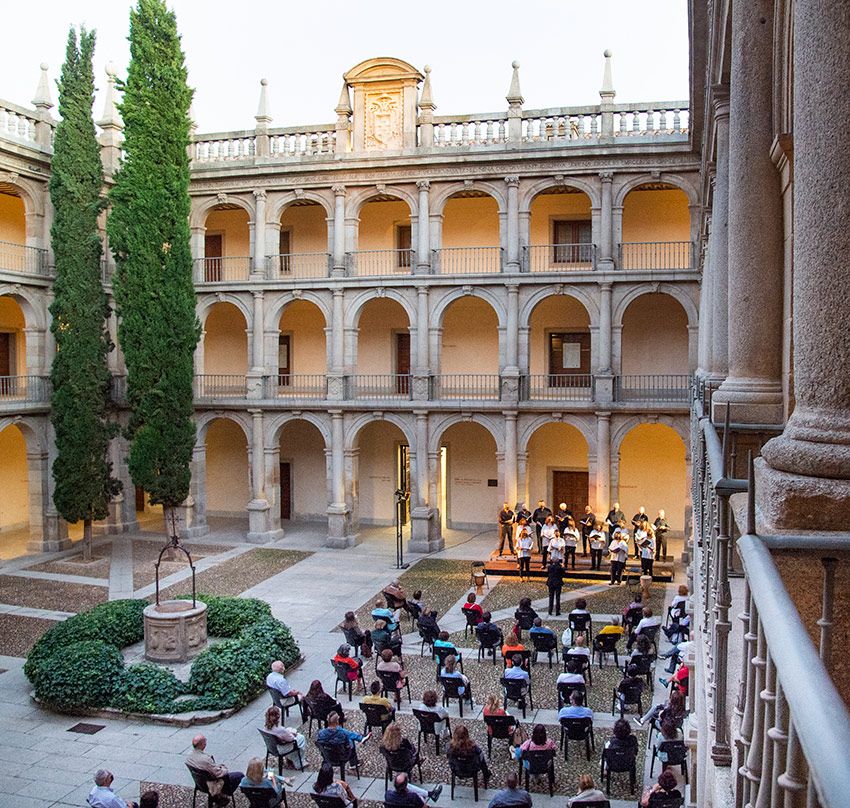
(663, 571)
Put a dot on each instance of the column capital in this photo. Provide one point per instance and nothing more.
(606, 176)
(259, 194)
(423, 185)
(512, 288)
(606, 286)
(510, 415)
(720, 101)
(258, 294)
(512, 180)
(339, 190)
(603, 416)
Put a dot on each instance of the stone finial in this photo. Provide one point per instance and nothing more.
(607, 92)
(426, 99)
(110, 118)
(193, 125)
(343, 106)
(514, 96)
(42, 100)
(262, 116)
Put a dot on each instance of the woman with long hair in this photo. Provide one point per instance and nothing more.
(464, 751)
(325, 785)
(295, 759)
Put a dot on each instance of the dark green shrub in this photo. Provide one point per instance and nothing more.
(226, 616)
(85, 674)
(147, 688)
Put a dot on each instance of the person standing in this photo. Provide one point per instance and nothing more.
(522, 516)
(547, 533)
(646, 542)
(615, 516)
(619, 551)
(661, 528)
(571, 538)
(598, 540)
(561, 517)
(541, 513)
(506, 521)
(524, 552)
(636, 520)
(555, 583)
(587, 523)
(557, 547)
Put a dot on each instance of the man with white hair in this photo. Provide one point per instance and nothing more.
(277, 681)
(102, 795)
(221, 782)
(661, 528)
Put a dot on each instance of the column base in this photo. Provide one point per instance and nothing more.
(191, 524)
(48, 545)
(751, 401)
(603, 389)
(425, 532)
(510, 385)
(254, 384)
(340, 533)
(786, 501)
(260, 529)
(604, 264)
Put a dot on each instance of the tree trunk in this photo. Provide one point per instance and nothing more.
(87, 532)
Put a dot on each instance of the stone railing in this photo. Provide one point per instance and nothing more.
(24, 389)
(18, 123)
(20, 258)
(301, 141)
(467, 387)
(557, 387)
(667, 387)
(379, 385)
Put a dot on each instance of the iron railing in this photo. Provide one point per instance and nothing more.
(299, 265)
(667, 388)
(379, 262)
(558, 257)
(656, 255)
(220, 385)
(20, 258)
(379, 386)
(223, 270)
(296, 385)
(557, 387)
(466, 260)
(467, 387)
(25, 389)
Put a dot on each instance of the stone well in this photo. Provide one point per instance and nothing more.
(175, 631)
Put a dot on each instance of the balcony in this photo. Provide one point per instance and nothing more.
(467, 387)
(658, 388)
(296, 386)
(223, 270)
(295, 266)
(20, 258)
(216, 385)
(557, 387)
(18, 390)
(391, 386)
(559, 258)
(637, 255)
(380, 263)
(466, 260)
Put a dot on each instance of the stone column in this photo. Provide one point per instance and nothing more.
(706, 310)
(257, 369)
(193, 512)
(603, 462)
(605, 375)
(422, 371)
(425, 534)
(339, 231)
(605, 258)
(510, 461)
(513, 224)
(718, 350)
(338, 510)
(259, 510)
(754, 384)
(258, 270)
(804, 474)
(510, 371)
(423, 222)
(336, 377)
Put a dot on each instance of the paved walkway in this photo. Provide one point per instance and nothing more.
(46, 765)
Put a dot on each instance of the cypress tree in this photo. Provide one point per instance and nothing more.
(80, 376)
(149, 233)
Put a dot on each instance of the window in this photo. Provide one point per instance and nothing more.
(213, 253)
(569, 355)
(285, 250)
(403, 244)
(571, 241)
(284, 360)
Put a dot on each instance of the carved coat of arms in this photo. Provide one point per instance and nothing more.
(383, 121)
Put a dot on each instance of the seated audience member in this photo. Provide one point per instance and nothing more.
(400, 750)
(579, 649)
(587, 792)
(493, 706)
(223, 782)
(622, 737)
(404, 794)
(428, 622)
(375, 697)
(487, 631)
(351, 628)
(463, 750)
(537, 742)
(515, 669)
(387, 663)
(668, 732)
(450, 672)
(637, 603)
(319, 702)
(643, 647)
(580, 608)
(286, 735)
(255, 777)
(149, 799)
(343, 657)
(277, 681)
(613, 627)
(102, 795)
(679, 680)
(667, 786)
(335, 735)
(648, 621)
(443, 642)
(673, 710)
(326, 786)
(511, 646)
(525, 611)
(571, 676)
(429, 705)
(511, 796)
(630, 680)
(679, 601)
(539, 629)
(416, 605)
(383, 638)
(395, 595)
(473, 607)
(575, 709)
(389, 616)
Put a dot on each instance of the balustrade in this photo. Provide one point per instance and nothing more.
(482, 130)
(20, 258)
(362, 263)
(299, 265)
(224, 147)
(17, 123)
(378, 385)
(223, 269)
(656, 255)
(558, 257)
(25, 389)
(300, 141)
(296, 385)
(218, 385)
(659, 387)
(557, 387)
(467, 387)
(466, 260)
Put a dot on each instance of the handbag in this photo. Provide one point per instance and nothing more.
(520, 735)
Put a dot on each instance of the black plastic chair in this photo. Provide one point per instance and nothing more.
(395, 765)
(526, 659)
(500, 728)
(262, 797)
(465, 769)
(577, 729)
(202, 780)
(390, 684)
(626, 695)
(441, 654)
(428, 727)
(580, 624)
(280, 749)
(489, 646)
(540, 762)
(451, 686)
(659, 800)
(473, 618)
(618, 761)
(413, 612)
(632, 617)
(354, 639)
(651, 633)
(342, 670)
(566, 690)
(283, 703)
(328, 801)
(339, 756)
(428, 636)
(582, 662)
(376, 716)
(311, 714)
(524, 621)
(604, 644)
(670, 753)
(517, 691)
(543, 644)
(591, 804)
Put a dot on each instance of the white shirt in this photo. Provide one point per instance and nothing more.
(619, 550)
(547, 533)
(647, 547)
(103, 797)
(576, 650)
(277, 681)
(571, 537)
(647, 622)
(570, 679)
(556, 548)
(597, 540)
(525, 545)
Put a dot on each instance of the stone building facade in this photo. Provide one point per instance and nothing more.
(473, 308)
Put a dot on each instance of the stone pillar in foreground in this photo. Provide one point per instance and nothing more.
(753, 386)
(338, 515)
(803, 477)
(425, 533)
(718, 346)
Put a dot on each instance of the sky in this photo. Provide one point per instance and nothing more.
(303, 48)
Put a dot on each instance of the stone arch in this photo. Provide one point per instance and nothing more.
(671, 290)
(281, 202)
(353, 430)
(278, 422)
(619, 433)
(198, 216)
(531, 192)
(206, 302)
(203, 421)
(586, 429)
(34, 436)
(31, 194)
(355, 308)
(680, 183)
(443, 193)
(439, 428)
(576, 292)
(438, 310)
(360, 196)
(274, 311)
(33, 308)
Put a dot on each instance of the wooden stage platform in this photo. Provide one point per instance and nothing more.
(663, 571)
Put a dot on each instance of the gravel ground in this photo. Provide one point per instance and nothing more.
(145, 554)
(98, 567)
(234, 576)
(19, 634)
(181, 796)
(53, 595)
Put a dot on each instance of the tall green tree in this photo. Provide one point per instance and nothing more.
(149, 233)
(80, 375)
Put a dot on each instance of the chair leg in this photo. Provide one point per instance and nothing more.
(475, 786)
(453, 785)
(652, 763)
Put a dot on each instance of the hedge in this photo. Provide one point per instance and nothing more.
(78, 663)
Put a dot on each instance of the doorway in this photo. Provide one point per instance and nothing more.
(402, 362)
(403, 479)
(213, 253)
(570, 487)
(285, 491)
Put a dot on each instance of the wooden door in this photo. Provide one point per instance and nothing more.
(570, 487)
(403, 244)
(6, 354)
(285, 491)
(285, 247)
(402, 362)
(213, 252)
(140, 499)
(284, 358)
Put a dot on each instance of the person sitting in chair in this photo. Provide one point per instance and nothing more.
(326, 786)
(575, 709)
(335, 735)
(464, 751)
(255, 777)
(667, 786)
(221, 783)
(429, 705)
(587, 792)
(286, 735)
(511, 646)
(351, 628)
(473, 607)
(648, 621)
(389, 616)
(449, 672)
(579, 649)
(343, 657)
(487, 632)
(388, 663)
(404, 794)
(515, 669)
(539, 630)
(443, 642)
(277, 681)
(571, 675)
(375, 697)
